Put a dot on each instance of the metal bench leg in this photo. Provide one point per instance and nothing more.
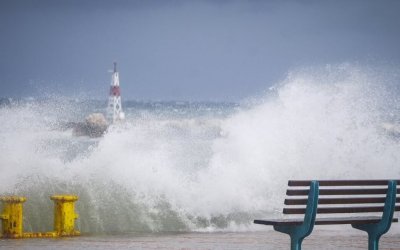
(295, 243)
(376, 230)
(373, 241)
(297, 233)
(373, 235)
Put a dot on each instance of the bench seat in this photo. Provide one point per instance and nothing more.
(347, 197)
(325, 221)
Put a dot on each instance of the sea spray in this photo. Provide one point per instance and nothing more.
(320, 124)
(184, 167)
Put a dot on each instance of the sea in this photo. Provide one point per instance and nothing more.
(194, 175)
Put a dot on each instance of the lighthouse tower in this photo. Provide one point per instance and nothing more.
(114, 111)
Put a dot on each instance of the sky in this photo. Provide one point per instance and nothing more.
(193, 50)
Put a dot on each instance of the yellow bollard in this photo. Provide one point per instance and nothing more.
(64, 214)
(12, 218)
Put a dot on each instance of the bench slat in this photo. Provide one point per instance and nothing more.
(350, 220)
(363, 200)
(304, 183)
(334, 210)
(324, 221)
(355, 191)
(273, 222)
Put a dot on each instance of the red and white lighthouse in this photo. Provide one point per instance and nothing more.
(114, 111)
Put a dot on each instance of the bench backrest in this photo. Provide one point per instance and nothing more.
(340, 196)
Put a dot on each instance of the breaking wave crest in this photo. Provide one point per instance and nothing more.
(213, 170)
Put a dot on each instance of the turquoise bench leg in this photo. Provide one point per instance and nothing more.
(376, 230)
(297, 233)
(295, 244)
(373, 242)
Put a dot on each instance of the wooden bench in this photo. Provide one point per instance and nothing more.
(338, 197)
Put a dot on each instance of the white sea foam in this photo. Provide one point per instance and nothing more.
(204, 172)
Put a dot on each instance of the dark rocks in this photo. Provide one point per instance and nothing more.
(95, 125)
